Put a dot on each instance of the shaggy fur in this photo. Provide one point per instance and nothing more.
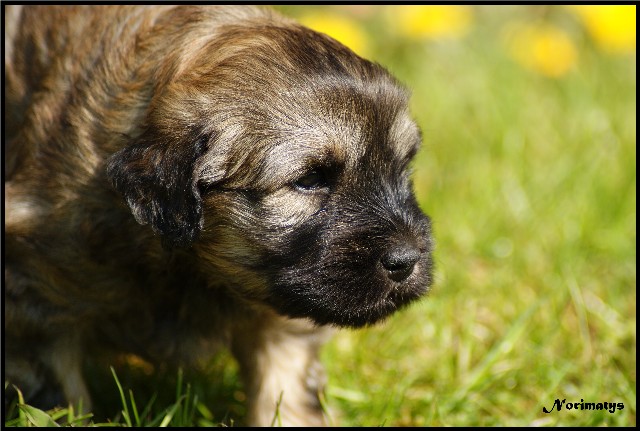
(179, 179)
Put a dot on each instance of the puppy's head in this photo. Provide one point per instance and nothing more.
(282, 159)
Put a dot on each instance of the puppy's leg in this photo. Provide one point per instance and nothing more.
(53, 378)
(283, 376)
(65, 361)
(41, 358)
(31, 377)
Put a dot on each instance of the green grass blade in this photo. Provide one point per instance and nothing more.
(22, 416)
(276, 416)
(172, 411)
(134, 409)
(125, 411)
(37, 417)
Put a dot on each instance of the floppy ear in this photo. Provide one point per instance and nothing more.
(156, 175)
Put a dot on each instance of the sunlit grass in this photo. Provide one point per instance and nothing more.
(530, 179)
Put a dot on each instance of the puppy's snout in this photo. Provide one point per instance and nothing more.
(400, 260)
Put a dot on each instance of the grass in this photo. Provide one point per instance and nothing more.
(131, 397)
(531, 185)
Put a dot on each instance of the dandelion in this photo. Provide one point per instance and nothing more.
(344, 30)
(613, 28)
(431, 22)
(543, 48)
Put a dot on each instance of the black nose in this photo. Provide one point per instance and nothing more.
(399, 261)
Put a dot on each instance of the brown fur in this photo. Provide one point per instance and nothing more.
(183, 178)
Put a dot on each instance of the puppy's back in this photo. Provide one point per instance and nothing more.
(58, 58)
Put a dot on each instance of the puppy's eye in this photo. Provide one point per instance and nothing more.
(312, 180)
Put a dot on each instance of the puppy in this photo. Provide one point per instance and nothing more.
(180, 179)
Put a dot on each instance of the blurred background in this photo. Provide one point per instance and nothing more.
(528, 170)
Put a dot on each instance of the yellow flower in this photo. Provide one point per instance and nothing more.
(431, 22)
(612, 27)
(542, 48)
(342, 29)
